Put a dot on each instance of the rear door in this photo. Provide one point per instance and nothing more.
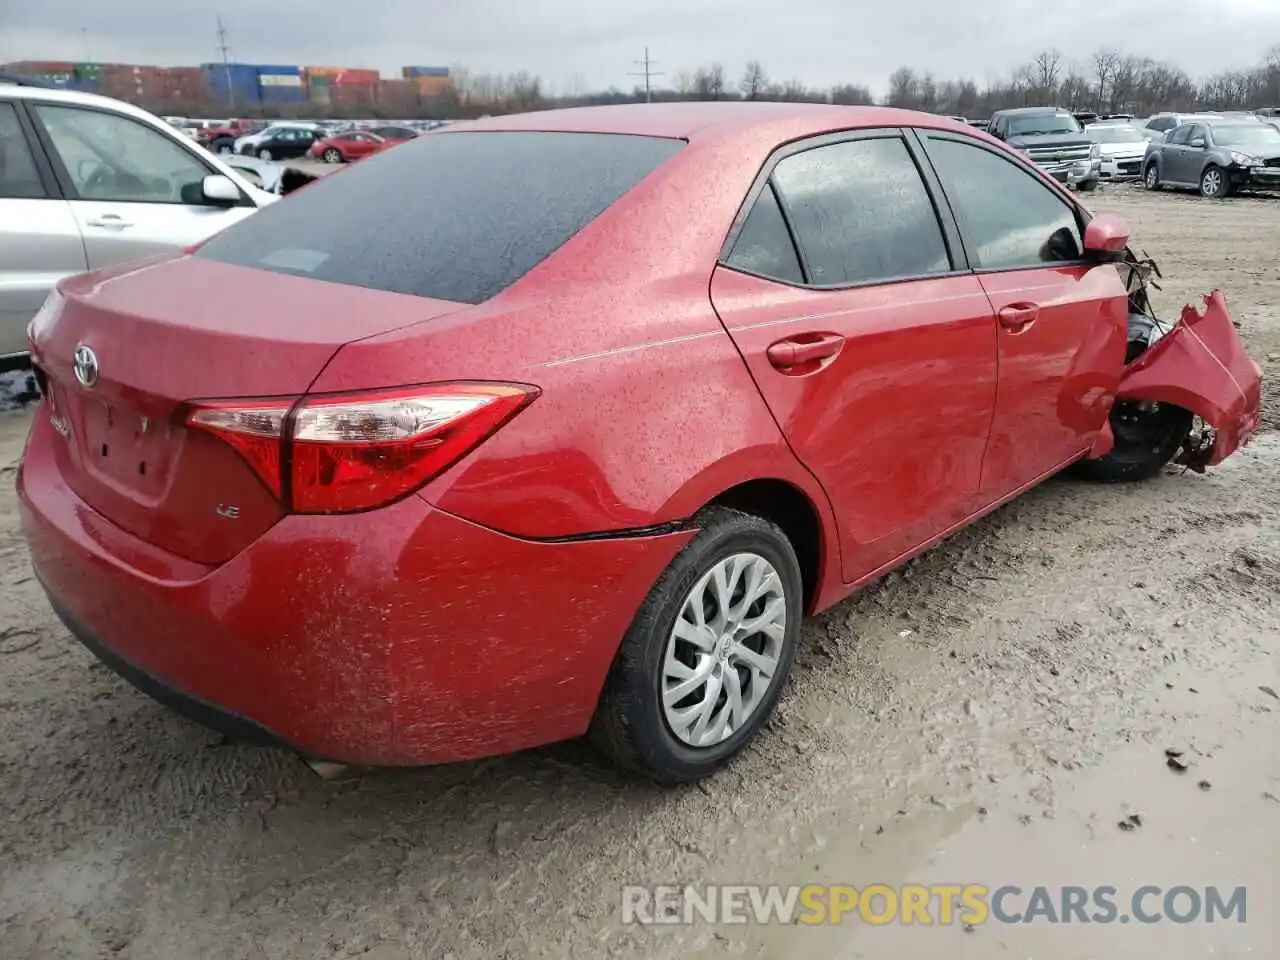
(1061, 320)
(39, 240)
(1175, 159)
(134, 191)
(869, 339)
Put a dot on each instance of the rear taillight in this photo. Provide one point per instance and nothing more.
(357, 451)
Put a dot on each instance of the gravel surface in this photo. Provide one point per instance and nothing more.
(988, 712)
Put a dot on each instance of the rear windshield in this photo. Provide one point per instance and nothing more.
(452, 216)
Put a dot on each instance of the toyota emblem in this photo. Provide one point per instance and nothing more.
(86, 363)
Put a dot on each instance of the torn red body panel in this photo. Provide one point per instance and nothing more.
(1202, 366)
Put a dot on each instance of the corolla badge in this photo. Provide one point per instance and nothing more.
(86, 365)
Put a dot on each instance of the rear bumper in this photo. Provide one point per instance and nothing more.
(398, 637)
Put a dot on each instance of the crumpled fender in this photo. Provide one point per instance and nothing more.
(1201, 365)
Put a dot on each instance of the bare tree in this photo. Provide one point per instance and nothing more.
(1105, 63)
(708, 82)
(1048, 67)
(851, 94)
(904, 88)
(754, 81)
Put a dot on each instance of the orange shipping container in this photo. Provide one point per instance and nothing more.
(350, 78)
(433, 86)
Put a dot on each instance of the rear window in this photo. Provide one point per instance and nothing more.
(452, 216)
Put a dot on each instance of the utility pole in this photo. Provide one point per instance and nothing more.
(226, 62)
(84, 33)
(648, 73)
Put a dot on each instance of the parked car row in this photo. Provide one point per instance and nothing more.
(1215, 156)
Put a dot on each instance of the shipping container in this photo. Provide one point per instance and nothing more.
(231, 83)
(88, 71)
(433, 86)
(355, 78)
(40, 68)
(322, 71)
(269, 69)
(398, 96)
(412, 73)
(353, 96)
(271, 94)
(318, 93)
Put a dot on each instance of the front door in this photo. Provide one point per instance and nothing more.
(134, 191)
(1062, 321)
(874, 350)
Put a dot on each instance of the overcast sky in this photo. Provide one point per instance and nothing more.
(593, 43)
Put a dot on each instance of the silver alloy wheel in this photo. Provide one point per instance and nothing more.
(724, 649)
(1153, 176)
(1211, 183)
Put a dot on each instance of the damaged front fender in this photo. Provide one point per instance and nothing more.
(1202, 366)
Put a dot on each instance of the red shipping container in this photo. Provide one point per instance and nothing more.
(355, 78)
(40, 66)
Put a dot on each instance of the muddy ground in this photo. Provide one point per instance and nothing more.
(989, 714)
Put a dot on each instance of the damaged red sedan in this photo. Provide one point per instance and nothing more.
(560, 423)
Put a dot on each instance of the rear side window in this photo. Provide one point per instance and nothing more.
(764, 247)
(19, 179)
(452, 216)
(861, 213)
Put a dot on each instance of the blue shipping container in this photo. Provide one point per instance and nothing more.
(411, 72)
(283, 94)
(231, 82)
(272, 70)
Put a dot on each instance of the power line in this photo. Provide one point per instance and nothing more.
(226, 61)
(649, 73)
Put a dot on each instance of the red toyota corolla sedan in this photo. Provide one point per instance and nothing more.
(560, 423)
(348, 147)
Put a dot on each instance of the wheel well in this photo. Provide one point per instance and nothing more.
(785, 505)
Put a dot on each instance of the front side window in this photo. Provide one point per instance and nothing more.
(861, 213)
(19, 179)
(116, 158)
(1180, 134)
(1010, 218)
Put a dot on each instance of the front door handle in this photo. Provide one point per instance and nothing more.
(1017, 317)
(804, 349)
(109, 221)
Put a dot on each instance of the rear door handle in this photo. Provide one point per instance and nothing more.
(804, 349)
(109, 221)
(1017, 317)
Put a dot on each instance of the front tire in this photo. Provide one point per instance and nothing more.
(1148, 436)
(1151, 177)
(332, 156)
(264, 154)
(706, 657)
(1087, 186)
(1214, 183)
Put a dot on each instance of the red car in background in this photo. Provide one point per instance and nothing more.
(560, 422)
(348, 147)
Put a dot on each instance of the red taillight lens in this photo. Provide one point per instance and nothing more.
(359, 451)
(253, 430)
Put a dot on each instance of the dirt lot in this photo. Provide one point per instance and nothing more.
(989, 714)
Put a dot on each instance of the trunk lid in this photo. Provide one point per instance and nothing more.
(172, 330)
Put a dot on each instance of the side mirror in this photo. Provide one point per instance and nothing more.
(1106, 234)
(1197, 142)
(218, 191)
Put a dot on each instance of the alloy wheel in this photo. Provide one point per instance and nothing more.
(1153, 177)
(1211, 183)
(723, 652)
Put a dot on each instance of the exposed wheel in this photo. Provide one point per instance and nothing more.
(1215, 183)
(264, 154)
(331, 155)
(703, 663)
(1148, 436)
(1151, 176)
(1087, 186)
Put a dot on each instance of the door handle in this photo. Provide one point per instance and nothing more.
(1017, 317)
(109, 221)
(800, 350)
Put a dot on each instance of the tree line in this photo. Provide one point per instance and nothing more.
(1108, 81)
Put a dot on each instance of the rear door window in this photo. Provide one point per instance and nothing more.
(764, 247)
(861, 213)
(451, 216)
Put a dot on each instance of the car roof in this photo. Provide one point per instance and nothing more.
(708, 120)
(1029, 111)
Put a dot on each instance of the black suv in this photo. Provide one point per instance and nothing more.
(1053, 139)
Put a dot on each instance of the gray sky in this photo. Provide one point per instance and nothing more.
(592, 43)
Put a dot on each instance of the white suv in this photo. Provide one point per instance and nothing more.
(88, 182)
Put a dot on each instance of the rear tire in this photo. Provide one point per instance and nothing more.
(332, 156)
(640, 723)
(1215, 183)
(264, 154)
(1151, 176)
(1148, 436)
